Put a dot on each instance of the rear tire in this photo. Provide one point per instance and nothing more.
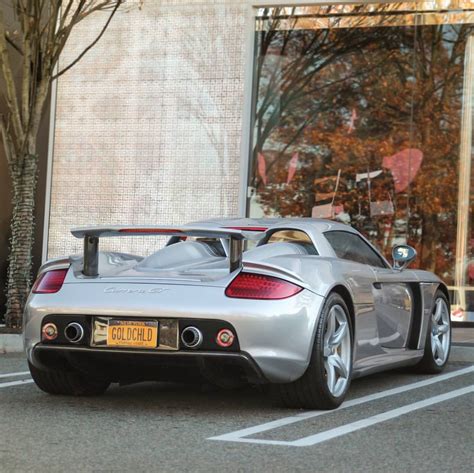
(327, 379)
(438, 337)
(69, 383)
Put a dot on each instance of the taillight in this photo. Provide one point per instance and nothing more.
(259, 286)
(50, 281)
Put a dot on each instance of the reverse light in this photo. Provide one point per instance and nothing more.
(259, 286)
(50, 281)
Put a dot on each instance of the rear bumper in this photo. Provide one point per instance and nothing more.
(126, 364)
(277, 334)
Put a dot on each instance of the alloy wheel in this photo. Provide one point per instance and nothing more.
(440, 332)
(337, 350)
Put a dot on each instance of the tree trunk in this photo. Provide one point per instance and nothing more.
(24, 178)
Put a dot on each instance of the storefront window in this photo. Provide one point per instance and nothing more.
(363, 114)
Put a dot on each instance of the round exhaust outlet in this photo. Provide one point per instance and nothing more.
(191, 337)
(74, 332)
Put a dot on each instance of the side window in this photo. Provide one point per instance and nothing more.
(289, 235)
(293, 236)
(352, 247)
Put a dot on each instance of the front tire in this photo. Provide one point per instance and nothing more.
(326, 381)
(438, 338)
(69, 383)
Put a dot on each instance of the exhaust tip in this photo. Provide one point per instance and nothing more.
(74, 332)
(191, 337)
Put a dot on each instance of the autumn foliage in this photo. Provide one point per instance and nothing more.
(344, 99)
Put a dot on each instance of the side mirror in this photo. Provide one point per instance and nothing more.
(402, 256)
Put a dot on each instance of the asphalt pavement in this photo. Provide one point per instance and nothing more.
(391, 422)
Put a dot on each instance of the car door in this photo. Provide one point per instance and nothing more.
(360, 275)
(391, 291)
(394, 304)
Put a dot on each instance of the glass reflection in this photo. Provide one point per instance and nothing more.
(364, 114)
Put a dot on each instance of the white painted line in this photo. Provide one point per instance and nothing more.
(16, 383)
(361, 424)
(384, 416)
(14, 375)
(237, 435)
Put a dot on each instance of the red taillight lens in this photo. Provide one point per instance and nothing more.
(50, 282)
(258, 286)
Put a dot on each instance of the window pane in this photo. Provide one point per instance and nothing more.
(289, 235)
(351, 247)
(363, 113)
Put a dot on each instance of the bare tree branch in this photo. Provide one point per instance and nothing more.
(96, 40)
(84, 52)
(11, 93)
(13, 44)
(7, 141)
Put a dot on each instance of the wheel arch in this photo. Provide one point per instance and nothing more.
(346, 296)
(444, 289)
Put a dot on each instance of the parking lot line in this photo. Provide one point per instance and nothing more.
(376, 419)
(15, 383)
(238, 435)
(330, 434)
(14, 375)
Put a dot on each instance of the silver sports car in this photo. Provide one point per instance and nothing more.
(300, 305)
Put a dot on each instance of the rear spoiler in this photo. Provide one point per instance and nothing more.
(91, 236)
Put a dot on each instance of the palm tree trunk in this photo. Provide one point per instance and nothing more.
(24, 178)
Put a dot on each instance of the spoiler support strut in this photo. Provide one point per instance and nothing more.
(235, 254)
(91, 256)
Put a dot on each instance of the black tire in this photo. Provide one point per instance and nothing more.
(69, 383)
(311, 390)
(428, 365)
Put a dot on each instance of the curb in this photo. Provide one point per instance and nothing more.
(11, 343)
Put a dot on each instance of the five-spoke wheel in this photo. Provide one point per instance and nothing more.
(440, 331)
(337, 350)
(438, 338)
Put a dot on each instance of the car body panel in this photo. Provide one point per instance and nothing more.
(390, 308)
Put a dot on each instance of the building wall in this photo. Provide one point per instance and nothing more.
(149, 123)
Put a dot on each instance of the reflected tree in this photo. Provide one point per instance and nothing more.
(358, 100)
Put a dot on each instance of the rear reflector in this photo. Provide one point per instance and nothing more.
(49, 332)
(50, 281)
(258, 286)
(225, 338)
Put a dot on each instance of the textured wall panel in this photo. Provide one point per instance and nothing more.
(148, 124)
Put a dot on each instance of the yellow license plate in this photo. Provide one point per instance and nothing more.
(129, 333)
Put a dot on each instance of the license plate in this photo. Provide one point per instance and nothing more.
(129, 333)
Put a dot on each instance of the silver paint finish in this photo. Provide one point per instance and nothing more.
(394, 306)
(278, 335)
(258, 324)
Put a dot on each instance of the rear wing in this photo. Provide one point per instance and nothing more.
(91, 236)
